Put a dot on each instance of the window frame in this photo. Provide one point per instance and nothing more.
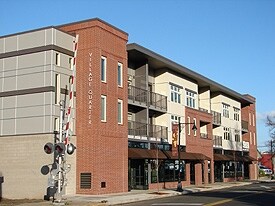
(103, 115)
(120, 111)
(190, 98)
(120, 74)
(103, 69)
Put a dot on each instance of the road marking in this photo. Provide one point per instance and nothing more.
(266, 187)
(227, 200)
(177, 204)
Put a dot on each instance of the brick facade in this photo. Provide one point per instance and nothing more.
(102, 148)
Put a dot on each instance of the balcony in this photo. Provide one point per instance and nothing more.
(244, 126)
(203, 135)
(217, 141)
(144, 98)
(203, 110)
(158, 101)
(138, 130)
(216, 118)
(137, 95)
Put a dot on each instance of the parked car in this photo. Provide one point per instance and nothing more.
(265, 170)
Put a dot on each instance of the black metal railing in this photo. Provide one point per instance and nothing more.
(204, 135)
(147, 130)
(216, 117)
(159, 101)
(137, 94)
(203, 110)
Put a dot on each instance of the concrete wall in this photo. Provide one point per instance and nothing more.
(21, 160)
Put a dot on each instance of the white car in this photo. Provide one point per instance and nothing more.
(266, 170)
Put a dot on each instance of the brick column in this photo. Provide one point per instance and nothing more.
(198, 174)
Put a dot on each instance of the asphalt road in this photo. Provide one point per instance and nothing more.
(254, 194)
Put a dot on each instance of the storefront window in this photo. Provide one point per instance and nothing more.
(167, 170)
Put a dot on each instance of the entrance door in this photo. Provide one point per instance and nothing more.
(246, 170)
(218, 172)
(192, 173)
(138, 174)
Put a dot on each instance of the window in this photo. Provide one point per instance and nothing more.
(236, 114)
(195, 122)
(103, 69)
(249, 118)
(250, 138)
(254, 138)
(71, 63)
(189, 125)
(119, 74)
(103, 108)
(119, 112)
(175, 94)
(226, 133)
(56, 124)
(190, 99)
(237, 136)
(175, 119)
(57, 59)
(253, 119)
(57, 89)
(225, 110)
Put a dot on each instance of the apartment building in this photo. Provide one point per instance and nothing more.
(129, 104)
(35, 69)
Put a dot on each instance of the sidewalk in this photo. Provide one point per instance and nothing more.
(133, 195)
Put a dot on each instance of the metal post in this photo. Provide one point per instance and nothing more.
(59, 157)
(179, 188)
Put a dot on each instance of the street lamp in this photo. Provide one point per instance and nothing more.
(194, 128)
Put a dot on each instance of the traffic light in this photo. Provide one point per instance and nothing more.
(70, 148)
(48, 148)
(60, 148)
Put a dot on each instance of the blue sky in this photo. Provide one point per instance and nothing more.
(229, 41)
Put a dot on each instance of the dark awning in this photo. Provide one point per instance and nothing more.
(138, 153)
(187, 156)
(222, 157)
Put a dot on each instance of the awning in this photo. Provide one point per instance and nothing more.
(222, 157)
(138, 153)
(187, 156)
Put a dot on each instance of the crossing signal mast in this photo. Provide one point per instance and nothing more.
(62, 146)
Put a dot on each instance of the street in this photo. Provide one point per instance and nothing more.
(254, 194)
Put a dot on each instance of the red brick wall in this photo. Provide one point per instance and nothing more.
(196, 144)
(245, 116)
(102, 147)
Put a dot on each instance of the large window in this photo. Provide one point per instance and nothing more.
(226, 133)
(103, 108)
(119, 75)
(168, 170)
(225, 110)
(103, 69)
(119, 112)
(236, 114)
(175, 94)
(190, 99)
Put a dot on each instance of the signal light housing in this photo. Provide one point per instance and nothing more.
(48, 148)
(60, 148)
(70, 148)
